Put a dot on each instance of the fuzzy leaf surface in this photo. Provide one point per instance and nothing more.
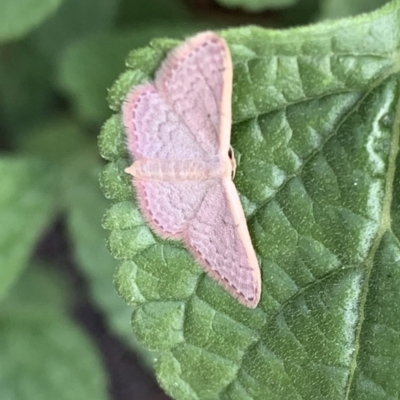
(315, 132)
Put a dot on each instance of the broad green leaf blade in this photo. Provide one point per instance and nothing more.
(44, 354)
(85, 206)
(274, 69)
(315, 132)
(18, 17)
(27, 194)
(257, 5)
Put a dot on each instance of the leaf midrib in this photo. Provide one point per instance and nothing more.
(384, 226)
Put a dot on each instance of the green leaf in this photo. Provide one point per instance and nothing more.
(74, 20)
(316, 115)
(343, 8)
(18, 17)
(42, 285)
(45, 355)
(26, 95)
(26, 207)
(55, 140)
(85, 206)
(257, 5)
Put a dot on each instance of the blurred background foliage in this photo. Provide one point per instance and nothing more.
(63, 328)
